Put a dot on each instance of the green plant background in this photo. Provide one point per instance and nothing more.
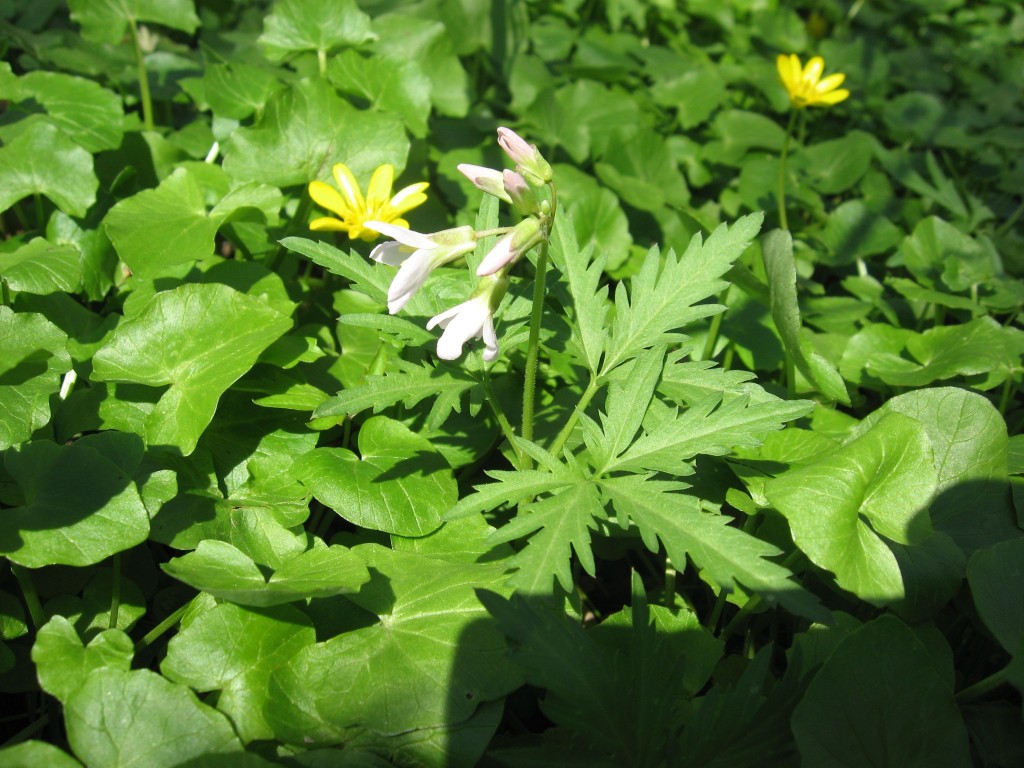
(772, 509)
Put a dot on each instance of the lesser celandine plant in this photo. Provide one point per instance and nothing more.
(806, 88)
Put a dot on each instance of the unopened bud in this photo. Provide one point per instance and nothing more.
(528, 159)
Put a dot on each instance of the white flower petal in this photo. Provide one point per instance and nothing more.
(500, 255)
(401, 234)
(393, 254)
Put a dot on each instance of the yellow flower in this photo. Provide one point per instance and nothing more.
(353, 210)
(805, 86)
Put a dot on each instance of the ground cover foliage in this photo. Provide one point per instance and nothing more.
(765, 508)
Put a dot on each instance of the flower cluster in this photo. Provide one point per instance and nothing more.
(417, 255)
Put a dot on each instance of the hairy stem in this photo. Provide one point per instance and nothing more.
(144, 96)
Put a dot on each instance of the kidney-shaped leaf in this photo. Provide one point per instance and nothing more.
(80, 506)
(63, 664)
(228, 573)
(43, 160)
(996, 576)
(200, 339)
(119, 719)
(857, 708)
(881, 483)
(400, 483)
(233, 650)
(105, 21)
(433, 658)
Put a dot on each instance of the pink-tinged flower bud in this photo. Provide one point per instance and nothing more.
(524, 235)
(523, 196)
(486, 180)
(471, 319)
(528, 159)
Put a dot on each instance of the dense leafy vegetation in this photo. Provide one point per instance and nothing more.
(735, 482)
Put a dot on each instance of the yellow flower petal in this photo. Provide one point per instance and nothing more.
(830, 83)
(380, 187)
(813, 70)
(834, 97)
(328, 224)
(408, 198)
(350, 187)
(328, 197)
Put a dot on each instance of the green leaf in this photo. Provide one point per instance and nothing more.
(643, 172)
(430, 661)
(228, 573)
(853, 231)
(409, 386)
(663, 294)
(399, 483)
(88, 113)
(584, 118)
(969, 443)
(583, 271)
(120, 719)
(32, 360)
(777, 250)
(404, 38)
(562, 522)
(236, 90)
(307, 128)
(313, 25)
(729, 555)
(855, 710)
(628, 399)
(234, 650)
(835, 166)
(880, 484)
(739, 132)
(63, 664)
(42, 267)
(606, 710)
(45, 161)
(996, 577)
(159, 228)
(510, 488)
(106, 21)
(981, 346)
(389, 86)
(79, 506)
(711, 427)
(200, 339)
(32, 754)
(938, 251)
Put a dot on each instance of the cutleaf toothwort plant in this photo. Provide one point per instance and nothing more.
(589, 473)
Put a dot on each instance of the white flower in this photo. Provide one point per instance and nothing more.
(416, 256)
(473, 319)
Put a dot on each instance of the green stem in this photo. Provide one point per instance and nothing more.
(570, 424)
(28, 592)
(982, 687)
(321, 58)
(27, 732)
(499, 414)
(40, 213)
(298, 221)
(670, 583)
(144, 95)
(783, 223)
(533, 348)
(1003, 228)
(790, 375)
(154, 634)
(1008, 388)
(115, 591)
(716, 324)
